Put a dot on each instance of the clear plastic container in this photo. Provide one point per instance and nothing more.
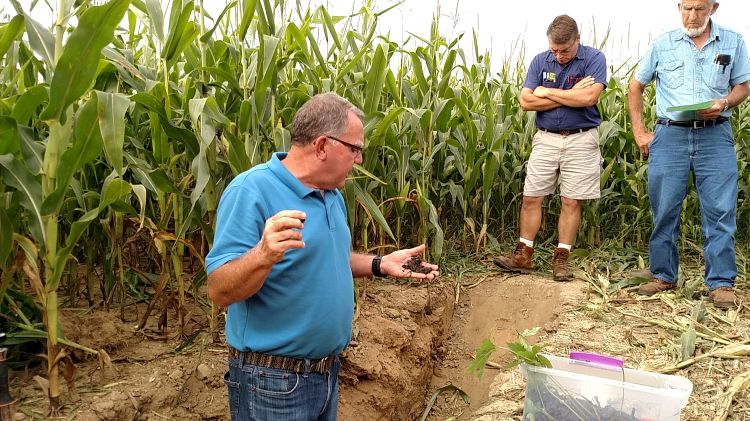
(600, 389)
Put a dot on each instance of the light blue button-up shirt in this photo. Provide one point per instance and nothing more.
(686, 75)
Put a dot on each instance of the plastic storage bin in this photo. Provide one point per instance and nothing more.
(589, 387)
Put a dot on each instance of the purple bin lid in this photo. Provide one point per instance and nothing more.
(596, 358)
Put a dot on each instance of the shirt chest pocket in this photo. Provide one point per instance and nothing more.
(721, 72)
(672, 73)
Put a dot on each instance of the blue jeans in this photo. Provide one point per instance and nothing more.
(270, 394)
(709, 154)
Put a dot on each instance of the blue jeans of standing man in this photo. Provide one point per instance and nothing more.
(270, 394)
(709, 154)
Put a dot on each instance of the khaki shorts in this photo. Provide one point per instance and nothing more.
(574, 160)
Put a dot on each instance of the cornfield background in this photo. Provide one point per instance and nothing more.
(121, 123)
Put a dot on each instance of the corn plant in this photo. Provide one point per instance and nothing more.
(123, 123)
(76, 125)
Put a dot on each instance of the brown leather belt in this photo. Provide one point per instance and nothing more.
(566, 132)
(322, 365)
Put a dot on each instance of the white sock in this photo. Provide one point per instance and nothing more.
(528, 243)
(564, 246)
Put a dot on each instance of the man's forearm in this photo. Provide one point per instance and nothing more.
(576, 98)
(361, 264)
(738, 94)
(531, 102)
(238, 279)
(635, 107)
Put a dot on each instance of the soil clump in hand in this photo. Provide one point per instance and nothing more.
(415, 265)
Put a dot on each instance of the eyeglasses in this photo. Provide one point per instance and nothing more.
(356, 149)
(564, 51)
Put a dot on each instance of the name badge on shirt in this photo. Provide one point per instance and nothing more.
(549, 77)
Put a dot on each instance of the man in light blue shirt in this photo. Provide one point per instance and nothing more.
(706, 65)
(281, 262)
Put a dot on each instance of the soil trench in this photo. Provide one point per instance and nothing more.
(497, 309)
(408, 340)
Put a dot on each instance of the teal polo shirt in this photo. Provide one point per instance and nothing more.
(306, 305)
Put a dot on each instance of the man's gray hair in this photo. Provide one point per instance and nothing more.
(563, 29)
(710, 2)
(323, 114)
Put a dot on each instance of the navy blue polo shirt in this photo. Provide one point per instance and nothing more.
(305, 307)
(544, 70)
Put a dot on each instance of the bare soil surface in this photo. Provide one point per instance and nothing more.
(409, 339)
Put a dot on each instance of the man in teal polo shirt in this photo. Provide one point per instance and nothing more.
(282, 263)
(700, 63)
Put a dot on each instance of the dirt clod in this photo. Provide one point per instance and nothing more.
(549, 404)
(415, 265)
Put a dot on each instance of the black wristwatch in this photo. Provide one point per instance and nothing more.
(376, 266)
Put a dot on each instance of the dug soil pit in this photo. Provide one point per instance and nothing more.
(497, 307)
(408, 340)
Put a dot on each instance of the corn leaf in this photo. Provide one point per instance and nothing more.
(11, 142)
(189, 34)
(77, 67)
(372, 208)
(61, 258)
(156, 18)
(182, 32)
(41, 40)
(28, 104)
(87, 145)
(375, 80)
(6, 243)
(111, 109)
(687, 342)
(32, 151)
(10, 32)
(17, 175)
(207, 36)
(249, 8)
(438, 392)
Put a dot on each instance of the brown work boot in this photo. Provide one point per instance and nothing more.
(724, 297)
(560, 271)
(519, 261)
(641, 273)
(656, 285)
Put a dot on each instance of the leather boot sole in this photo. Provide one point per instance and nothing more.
(724, 305)
(562, 278)
(514, 269)
(650, 292)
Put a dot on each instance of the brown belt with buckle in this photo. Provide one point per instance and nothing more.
(566, 132)
(322, 365)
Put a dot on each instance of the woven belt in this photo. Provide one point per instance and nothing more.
(567, 132)
(322, 365)
(693, 124)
